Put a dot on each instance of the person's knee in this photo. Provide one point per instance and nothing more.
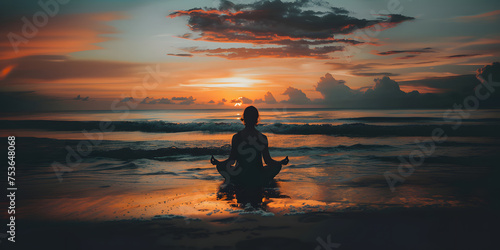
(278, 168)
(220, 168)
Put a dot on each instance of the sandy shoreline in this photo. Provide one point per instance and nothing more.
(388, 229)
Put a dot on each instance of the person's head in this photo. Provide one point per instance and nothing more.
(250, 116)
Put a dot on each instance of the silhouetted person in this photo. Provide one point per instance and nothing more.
(248, 147)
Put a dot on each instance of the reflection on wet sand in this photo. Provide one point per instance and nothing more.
(257, 197)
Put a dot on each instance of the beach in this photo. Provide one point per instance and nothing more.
(148, 183)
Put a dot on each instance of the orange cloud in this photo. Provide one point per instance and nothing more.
(492, 15)
(288, 24)
(62, 35)
(5, 71)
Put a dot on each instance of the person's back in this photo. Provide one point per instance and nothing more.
(249, 145)
(248, 148)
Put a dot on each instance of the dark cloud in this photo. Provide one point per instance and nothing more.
(386, 93)
(288, 51)
(184, 100)
(268, 99)
(181, 55)
(488, 71)
(406, 57)
(242, 100)
(179, 98)
(211, 101)
(175, 100)
(461, 56)
(411, 51)
(296, 96)
(384, 88)
(127, 99)
(489, 75)
(460, 84)
(366, 69)
(293, 25)
(79, 98)
(396, 19)
(221, 102)
(374, 74)
(54, 67)
(333, 90)
(351, 66)
(149, 100)
(246, 100)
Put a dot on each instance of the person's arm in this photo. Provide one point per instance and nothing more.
(267, 156)
(232, 155)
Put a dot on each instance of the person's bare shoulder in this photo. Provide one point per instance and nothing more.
(236, 137)
(263, 138)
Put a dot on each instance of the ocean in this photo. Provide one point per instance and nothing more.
(142, 165)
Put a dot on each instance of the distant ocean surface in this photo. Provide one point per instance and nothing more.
(146, 164)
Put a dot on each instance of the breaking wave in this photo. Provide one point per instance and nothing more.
(351, 129)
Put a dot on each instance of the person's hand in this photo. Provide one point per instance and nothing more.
(284, 161)
(214, 161)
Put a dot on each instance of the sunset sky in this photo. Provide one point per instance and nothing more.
(91, 55)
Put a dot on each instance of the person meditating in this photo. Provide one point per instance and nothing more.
(248, 147)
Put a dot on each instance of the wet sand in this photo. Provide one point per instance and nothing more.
(389, 229)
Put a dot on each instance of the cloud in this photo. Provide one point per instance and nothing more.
(490, 73)
(246, 100)
(211, 101)
(127, 99)
(149, 100)
(221, 102)
(460, 84)
(461, 56)
(333, 90)
(374, 74)
(78, 98)
(385, 88)
(281, 52)
(179, 98)
(490, 16)
(181, 55)
(367, 69)
(288, 29)
(175, 100)
(242, 100)
(406, 57)
(410, 51)
(492, 70)
(41, 68)
(63, 34)
(386, 93)
(268, 99)
(296, 96)
(6, 71)
(184, 100)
